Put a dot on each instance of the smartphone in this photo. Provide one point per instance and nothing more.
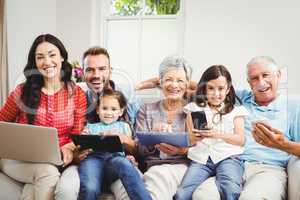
(199, 120)
(260, 121)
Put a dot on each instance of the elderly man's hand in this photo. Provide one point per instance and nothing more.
(171, 150)
(268, 136)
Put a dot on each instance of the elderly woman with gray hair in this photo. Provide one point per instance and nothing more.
(165, 164)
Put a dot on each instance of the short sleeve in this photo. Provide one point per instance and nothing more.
(141, 120)
(91, 128)
(127, 129)
(11, 109)
(80, 111)
(191, 107)
(240, 111)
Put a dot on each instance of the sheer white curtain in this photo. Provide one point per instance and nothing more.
(3, 54)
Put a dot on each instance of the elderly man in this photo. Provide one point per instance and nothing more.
(272, 134)
(96, 63)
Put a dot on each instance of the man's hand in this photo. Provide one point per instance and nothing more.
(171, 150)
(265, 135)
(80, 155)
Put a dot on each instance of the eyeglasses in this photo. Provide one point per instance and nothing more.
(170, 81)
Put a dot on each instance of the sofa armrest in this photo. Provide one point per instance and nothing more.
(9, 189)
(293, 171)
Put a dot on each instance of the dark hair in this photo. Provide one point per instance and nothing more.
(31, 92)
(212, 73)
(95, 51)
(119, 96)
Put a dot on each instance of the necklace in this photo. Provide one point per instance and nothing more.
(171, 109)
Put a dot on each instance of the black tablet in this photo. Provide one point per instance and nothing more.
(109, 143)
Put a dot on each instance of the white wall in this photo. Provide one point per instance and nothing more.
(227, 32)
(76, 22)
(26, 20)
(232, 32)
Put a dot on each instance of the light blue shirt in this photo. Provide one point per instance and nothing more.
(283, 114)
(100, 127)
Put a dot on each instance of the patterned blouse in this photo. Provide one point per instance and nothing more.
(62, 110)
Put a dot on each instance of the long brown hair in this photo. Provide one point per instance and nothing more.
(212, 73)
(31, 93)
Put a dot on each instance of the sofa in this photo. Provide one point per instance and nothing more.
(11, 190)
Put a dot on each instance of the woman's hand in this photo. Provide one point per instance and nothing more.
(67, 153)
(171, 150)
(125, 139)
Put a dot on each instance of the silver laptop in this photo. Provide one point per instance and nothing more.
(29, 143)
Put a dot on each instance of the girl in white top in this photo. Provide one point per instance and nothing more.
(217, 150)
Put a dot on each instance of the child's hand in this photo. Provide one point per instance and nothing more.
(210, 133)
(85, 131)
(195, 136)
(132, 160)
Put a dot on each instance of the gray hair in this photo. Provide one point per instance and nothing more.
(263, 60)
(174, 62)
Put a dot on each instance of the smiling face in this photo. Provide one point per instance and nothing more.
(174, 84)
(97, 72)
(109, 109)
(217, 90)
(263, 82)
(48, 60)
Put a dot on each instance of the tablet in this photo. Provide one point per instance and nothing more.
(109, 143)
(180, 139)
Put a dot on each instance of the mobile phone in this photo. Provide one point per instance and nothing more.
(199, 120)
(260, 122)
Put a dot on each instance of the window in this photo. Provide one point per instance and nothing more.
(139, 34)
(146, 7)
